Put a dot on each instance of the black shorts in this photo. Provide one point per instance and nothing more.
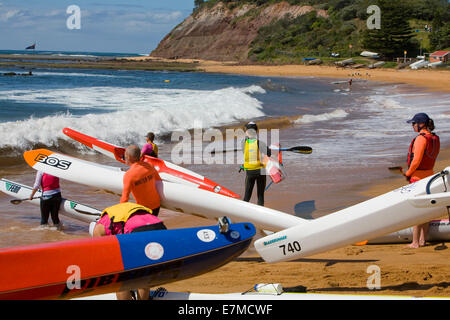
(150, 227)
(155, 211)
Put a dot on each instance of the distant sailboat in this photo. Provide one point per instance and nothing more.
(32, 47)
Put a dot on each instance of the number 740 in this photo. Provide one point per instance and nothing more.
(291, 247)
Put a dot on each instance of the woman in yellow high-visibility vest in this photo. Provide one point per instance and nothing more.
(254, 151)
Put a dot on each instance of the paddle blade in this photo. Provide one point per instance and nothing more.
(301, 149)
(396, 169)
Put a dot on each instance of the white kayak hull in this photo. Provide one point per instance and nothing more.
(69, 208)
(373, 218)
(177, 197)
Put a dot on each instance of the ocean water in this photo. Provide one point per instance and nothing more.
(355, 134)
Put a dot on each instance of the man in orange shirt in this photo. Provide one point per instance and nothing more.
(140, 180)
(422, 155)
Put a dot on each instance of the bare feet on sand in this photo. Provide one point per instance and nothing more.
(416, 245)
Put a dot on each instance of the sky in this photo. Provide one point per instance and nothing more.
(121, 26)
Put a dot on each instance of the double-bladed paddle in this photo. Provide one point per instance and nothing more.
(298, 149)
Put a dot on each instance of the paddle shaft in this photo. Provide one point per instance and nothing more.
(298, 149)
(18, 201)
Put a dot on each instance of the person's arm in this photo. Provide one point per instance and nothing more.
(37, 184)
(419, 150)
(99, 230)
(243, 145)
(264, 149)
(157, 176)
(126, 189)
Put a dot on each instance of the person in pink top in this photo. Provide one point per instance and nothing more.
(127, 217)
(150, 148)
(50, 199)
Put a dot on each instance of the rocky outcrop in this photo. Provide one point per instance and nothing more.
(223, 34)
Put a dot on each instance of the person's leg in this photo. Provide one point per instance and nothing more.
(260, 188)
(415, 241)
(143, 294)
(45, 211)
(124, 295)
(423, 228)
(249, 184)
(54, 210)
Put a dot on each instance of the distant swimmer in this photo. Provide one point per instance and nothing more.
(150, 148)
(422, 155)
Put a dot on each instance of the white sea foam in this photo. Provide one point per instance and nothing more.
(309, 118)
(130, 112)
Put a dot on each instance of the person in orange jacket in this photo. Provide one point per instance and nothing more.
(422, 155)
(140, 180)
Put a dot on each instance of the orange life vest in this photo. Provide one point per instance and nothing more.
(430, 154)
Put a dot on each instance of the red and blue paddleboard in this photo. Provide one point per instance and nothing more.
(91, 266)
(168, 171)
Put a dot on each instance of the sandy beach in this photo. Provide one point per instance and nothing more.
(426, 79)
(435, 80)
(422, 272)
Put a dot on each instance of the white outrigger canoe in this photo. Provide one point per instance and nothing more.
(438, 230)
(174, 196)
(412, 204)
(68, 208)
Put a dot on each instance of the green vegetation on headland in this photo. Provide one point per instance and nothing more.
(417, 26)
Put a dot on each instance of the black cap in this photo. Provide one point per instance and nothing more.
(419, 118)
(251, 125)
